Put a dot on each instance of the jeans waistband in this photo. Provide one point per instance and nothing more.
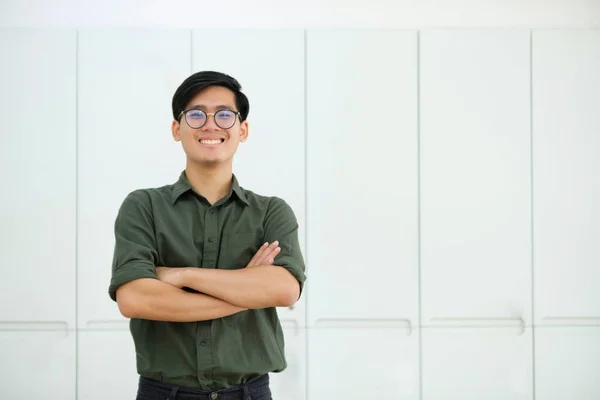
(244, 390)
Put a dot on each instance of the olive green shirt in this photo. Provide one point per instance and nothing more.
(174, 226)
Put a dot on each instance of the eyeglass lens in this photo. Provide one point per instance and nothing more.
(224, 119)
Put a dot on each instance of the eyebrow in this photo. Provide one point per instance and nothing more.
(219, 107)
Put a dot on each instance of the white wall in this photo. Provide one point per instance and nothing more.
(445, 180)
(301, 13)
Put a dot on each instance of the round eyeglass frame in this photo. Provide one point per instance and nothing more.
(184, 113)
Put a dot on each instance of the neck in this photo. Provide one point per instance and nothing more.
(211, 182)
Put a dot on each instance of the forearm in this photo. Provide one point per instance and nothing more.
(155, 300)
(252, 288)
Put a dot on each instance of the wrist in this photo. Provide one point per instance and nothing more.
(183, 277)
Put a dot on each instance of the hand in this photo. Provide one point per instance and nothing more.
(172, 276)
(265, 255)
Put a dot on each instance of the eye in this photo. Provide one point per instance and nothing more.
(224, 114)
(196, 114)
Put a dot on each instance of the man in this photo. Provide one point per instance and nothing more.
(200, 265)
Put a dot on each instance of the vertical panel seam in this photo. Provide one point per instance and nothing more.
(418, 50)
(531, 211)
(306, 321)
(76, 214)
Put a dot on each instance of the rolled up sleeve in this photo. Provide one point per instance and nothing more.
(135, 255)
(281, 224)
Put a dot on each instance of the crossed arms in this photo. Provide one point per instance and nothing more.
(223, 292)
(146, 291)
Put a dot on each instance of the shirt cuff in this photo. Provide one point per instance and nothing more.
(127, 273)
(293, 267)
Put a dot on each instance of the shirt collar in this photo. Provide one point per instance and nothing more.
(183, 185)
(238, 190)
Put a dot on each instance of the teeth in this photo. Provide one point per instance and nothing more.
(210, 141)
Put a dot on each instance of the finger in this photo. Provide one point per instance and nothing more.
(257, 255)
(272, 260)
(270, 253)
(274, 255)
(263, 254)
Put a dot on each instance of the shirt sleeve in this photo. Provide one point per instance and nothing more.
(135, 253)
(281, 225)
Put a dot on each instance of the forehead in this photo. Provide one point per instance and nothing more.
(213, 96)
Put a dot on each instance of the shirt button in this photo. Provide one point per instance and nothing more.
(211, 239)
(212, 211)
(203, 343)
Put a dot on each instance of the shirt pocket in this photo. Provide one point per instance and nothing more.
(238, 248)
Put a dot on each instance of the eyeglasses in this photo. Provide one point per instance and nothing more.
(197, 118)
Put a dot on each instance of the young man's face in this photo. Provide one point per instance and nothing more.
(211, 144)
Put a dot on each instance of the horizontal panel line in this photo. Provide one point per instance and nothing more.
(365, 323)
(571, 321)
(486, 326)
(556, 325)
(290, 323)
(108, 324)
(34, 326)
(477, 322)
(573, 318)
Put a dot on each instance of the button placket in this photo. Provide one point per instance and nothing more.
(209, 260)
(211, 238)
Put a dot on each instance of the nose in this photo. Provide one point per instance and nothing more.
(210, 124)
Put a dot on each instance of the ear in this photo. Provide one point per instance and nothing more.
(175, 130)
(243, 131)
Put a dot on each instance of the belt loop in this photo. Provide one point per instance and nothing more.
(173, 394)
(246, 392)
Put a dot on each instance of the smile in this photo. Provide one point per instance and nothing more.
(211, 141)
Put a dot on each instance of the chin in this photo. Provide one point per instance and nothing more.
(207, 162)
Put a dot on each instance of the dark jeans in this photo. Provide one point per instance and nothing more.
(256, 389)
